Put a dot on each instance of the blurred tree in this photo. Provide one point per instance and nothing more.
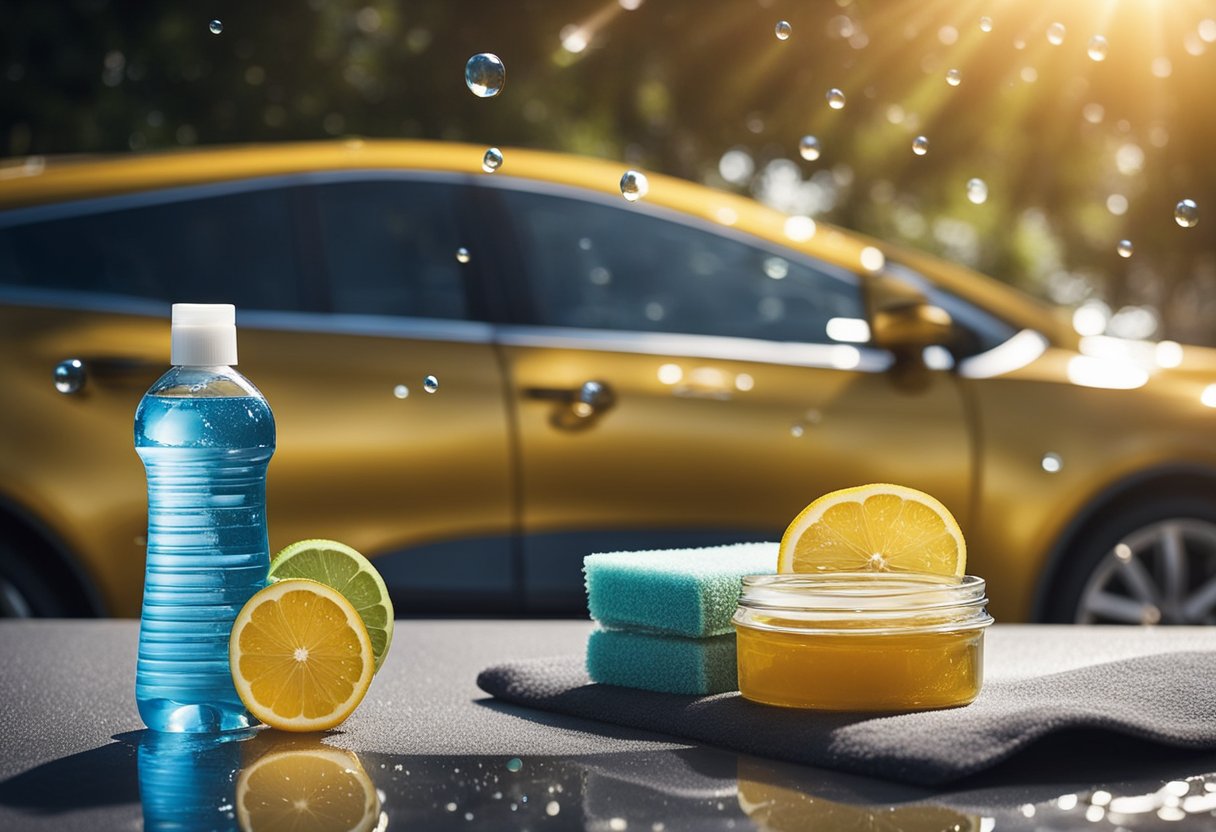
(1080, 145)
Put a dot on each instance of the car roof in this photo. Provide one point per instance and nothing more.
(49, 180)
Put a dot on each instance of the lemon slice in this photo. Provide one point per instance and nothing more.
(300, 655)
(874, 528)
(321, 789)
(341, 567)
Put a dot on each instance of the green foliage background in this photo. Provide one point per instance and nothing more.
(674, 84)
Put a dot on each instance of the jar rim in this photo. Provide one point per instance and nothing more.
(862, 591)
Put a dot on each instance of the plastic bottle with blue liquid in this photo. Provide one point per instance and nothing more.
(205, 435)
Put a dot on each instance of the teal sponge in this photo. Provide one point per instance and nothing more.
(684, 592)
(664, 663)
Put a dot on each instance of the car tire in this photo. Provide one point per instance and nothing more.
(24, 592)
(1153, 562)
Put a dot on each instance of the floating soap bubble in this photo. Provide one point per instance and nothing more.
(808, 148)
(920, 145)
(1186, 213)
(215, 27)
(985, 24)
(492, 161)
(783, 30)
(485, 75)
(462, 255)
(954, 77)
(1055, 34)
(835, 98)
(430, 384)
(977, 191)
(634, 185)
(1097, 48)
(1125, 248)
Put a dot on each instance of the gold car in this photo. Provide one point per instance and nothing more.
(690, 368)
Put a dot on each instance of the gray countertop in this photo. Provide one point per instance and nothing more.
(443, 755)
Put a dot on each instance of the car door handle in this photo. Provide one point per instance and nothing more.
(72, 374)
(576, 405)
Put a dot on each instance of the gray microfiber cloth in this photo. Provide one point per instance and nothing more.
(1168, 699)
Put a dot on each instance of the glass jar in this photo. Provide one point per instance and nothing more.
(861, 641)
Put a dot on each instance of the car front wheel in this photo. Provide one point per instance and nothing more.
(1152, 564)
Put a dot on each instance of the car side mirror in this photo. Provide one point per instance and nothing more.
(911, 326)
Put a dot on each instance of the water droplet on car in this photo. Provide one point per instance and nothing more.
(430, 384)
(634, 185)
(783, 30)
(920, 145)
(977, 191)
(954, 77)
(485, 75)
(1125, 248)
(215, 27)
(808, 148)
(492, 160)
(835, 98)
(1055, 34)
(1097, 48)
(1186, 213)
(462, 255)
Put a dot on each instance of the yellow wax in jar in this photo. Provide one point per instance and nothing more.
(859, 671)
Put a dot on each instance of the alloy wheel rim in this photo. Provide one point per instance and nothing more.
(1163, 573)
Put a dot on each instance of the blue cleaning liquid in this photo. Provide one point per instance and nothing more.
(205, 456)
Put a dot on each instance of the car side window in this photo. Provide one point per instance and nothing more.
(596, 266)
(390, 248)
(230, 248)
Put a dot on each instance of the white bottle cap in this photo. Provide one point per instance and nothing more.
(204, 335)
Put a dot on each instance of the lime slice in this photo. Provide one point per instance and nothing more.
(339, 566)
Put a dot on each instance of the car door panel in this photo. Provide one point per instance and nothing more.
(732, 447)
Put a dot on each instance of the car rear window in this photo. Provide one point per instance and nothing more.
(232, 248)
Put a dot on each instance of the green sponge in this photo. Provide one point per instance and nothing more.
(664, 663)
(684, 592)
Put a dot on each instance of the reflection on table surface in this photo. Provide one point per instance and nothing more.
(266, 780)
